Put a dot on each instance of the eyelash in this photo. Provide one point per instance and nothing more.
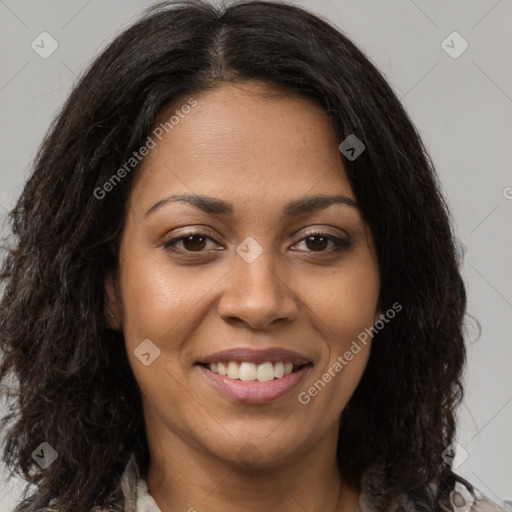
(340, 243)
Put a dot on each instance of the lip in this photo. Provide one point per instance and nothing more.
(249, 355)
(255, 392)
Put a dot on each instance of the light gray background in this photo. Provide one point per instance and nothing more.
(462, 108)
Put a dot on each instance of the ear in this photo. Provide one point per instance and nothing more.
(112, 310)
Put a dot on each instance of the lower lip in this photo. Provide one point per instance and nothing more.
(255, 392)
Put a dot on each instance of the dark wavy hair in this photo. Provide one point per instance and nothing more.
(74, 387)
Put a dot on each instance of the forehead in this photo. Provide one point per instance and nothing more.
(244, 140)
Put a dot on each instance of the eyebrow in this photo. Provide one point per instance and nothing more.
(219, 207)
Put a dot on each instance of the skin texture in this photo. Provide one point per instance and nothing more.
(257, 153)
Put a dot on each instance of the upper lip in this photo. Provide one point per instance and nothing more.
(241, 354)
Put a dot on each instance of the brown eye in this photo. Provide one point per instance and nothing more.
(317, 242)
(190, 242)
(194, 242)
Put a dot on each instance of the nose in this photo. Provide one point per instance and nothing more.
(256, 293)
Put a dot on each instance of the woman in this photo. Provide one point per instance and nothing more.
(234, 282)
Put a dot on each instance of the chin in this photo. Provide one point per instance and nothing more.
(258, 451)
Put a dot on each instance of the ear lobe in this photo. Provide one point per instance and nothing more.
(111, 312)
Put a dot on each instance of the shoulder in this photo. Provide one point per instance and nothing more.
(462, 497)
(463, 500)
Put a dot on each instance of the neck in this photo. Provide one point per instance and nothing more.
(183, 478)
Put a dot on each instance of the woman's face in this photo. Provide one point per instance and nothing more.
(254, 290)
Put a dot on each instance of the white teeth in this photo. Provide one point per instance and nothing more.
(250, 371)
(222, 369)
(278, 370)
(233, 372)
(247, 371)
(265, 372)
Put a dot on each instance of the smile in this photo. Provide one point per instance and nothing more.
(251, 376)
(248, 371)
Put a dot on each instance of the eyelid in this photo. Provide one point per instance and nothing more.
(190, 232)
(200, 230)
(319, 230)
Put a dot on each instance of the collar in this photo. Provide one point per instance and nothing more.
(462, 499)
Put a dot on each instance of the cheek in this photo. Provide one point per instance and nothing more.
(344, 311)
(160, 306)
(158, 303)
(349, 303)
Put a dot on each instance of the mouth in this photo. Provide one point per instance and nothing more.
(254, 377)
(250, 372)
